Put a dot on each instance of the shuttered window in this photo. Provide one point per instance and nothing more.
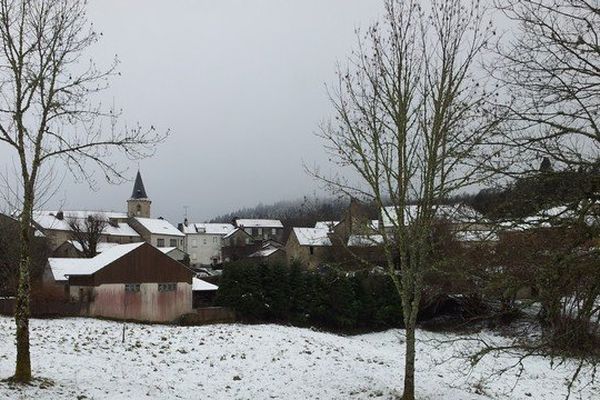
(167, 287)
(132, 287)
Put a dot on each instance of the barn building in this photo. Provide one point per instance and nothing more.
(130, 282)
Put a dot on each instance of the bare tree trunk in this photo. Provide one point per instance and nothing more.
(22, 311)
(409, 363)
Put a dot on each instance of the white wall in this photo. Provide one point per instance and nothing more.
(203, 247)
(167, 241)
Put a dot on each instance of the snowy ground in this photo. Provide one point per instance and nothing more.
(86, 359)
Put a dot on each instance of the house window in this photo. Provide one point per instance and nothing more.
(167, 287)
(274, 231)
(215, 240)
(193, 256)
(204, 241)
(194, 242)
(260, 231)
(247, 240)
(138, 209)
(312, 250)
(173, 242)
(160, 242)
(132, 287)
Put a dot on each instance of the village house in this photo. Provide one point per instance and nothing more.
(158, 232)
(56, 226)
(261, 229)
(238, 244)
(131, 282)
(176, 254)
(204, 241)
(308, 246)
(337, 242)
(270, 253)
(73, 249)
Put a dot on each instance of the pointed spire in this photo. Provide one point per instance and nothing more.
(546, 165)
(139, 192)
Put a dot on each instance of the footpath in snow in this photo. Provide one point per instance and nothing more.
(86, 359)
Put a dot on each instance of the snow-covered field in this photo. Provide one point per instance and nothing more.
(86, 359)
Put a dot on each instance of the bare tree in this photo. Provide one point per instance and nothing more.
(551, 72)
(88, 232)
(49, 114)
(410, 119)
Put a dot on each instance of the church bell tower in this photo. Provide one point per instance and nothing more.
(139, 203)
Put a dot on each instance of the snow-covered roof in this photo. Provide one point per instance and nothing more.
(61, 267)
(48, 220)
(552, 217)
(199, 285)
(265, 252)
(259, 223)
(312, 236)
(456, 213)
(476, 236)
(158, 226)
(326, 224)
(365, 240)
(100, 247)
(208, 228)
(234, 231)
(64, 267)
(167, 250)
(119, 229)
(556, 214)
(81, 214)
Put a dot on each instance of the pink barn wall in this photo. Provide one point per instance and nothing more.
(111, 301)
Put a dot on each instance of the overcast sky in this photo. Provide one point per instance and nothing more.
(240, 84)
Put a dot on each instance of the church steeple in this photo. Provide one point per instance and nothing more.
(139, 203)
(139, 192)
